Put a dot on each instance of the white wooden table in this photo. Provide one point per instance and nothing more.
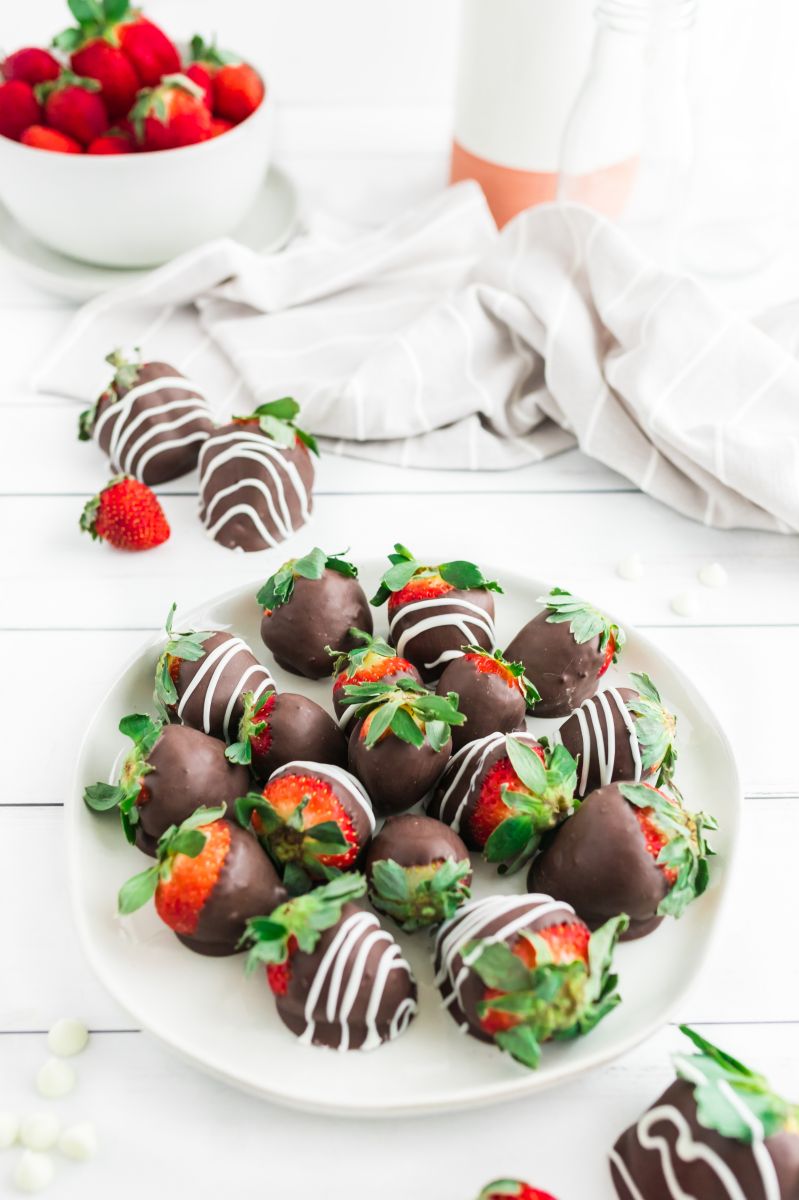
(69, 610)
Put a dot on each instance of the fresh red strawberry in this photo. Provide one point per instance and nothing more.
(220, 126)
(371, 661)
(171, 115)
(119, 84)
(238, 91)
(19, 108)
(180, 898)
(565, 943)
(491, 809)
(127, 515)
(151, 52)
(278, 975)
(114, 141)
(32, 65)
(284, 795)
(200, 75)
(74, 106)
(43, 138)
(512, 1189)
(421, 587)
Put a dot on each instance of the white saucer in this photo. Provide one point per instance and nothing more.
(268, 226)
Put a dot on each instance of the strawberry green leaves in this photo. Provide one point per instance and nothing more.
(686, 850)
(208, 52)
(512, 669)
(417, 896)
(100, 797)
(655, 729)
(722, 1085)
(126, 372)
(406, 709)
(351, 660)
(404, 567)
(187, 838)
(299, 922)
(276, 420)
(585, 621)
(278, 588)
(187, 647)
(294, 847)
(250, 727)
(93, 18)
(544, 797)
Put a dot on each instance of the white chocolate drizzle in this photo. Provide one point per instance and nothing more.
(472, 758)
(466, 618)
(601, 736)
(130, 457)
(215, 662)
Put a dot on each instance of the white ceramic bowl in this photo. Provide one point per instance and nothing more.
(137, 210)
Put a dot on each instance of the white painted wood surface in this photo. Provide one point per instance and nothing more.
(70, 610)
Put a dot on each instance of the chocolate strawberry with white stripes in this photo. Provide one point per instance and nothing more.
(256, 478)
(621, 734)
(210, 877)
(169, 772)
(201, 679)
(370, 660)
(434, 611)
(338, 979)
(629, 848)
(400, 741)
(566, 649)
(314, 821)
(310, 604)
(493, 694)
(280, 727)
(151, 421)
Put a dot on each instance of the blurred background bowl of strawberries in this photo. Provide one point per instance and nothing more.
(121, 147)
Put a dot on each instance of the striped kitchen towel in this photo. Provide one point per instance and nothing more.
(434, 341)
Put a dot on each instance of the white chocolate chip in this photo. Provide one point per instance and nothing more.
(33, 1171)
(55, 1078)
(631, 568)
(79, 1141)
(67, 1037)
(9, 1129)
(684, 604)
(712, 575)
(39, 1131)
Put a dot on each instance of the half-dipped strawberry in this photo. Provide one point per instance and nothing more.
(434, 611)
(520, 970)
(338, 979)
(314, 821)
(210, 878)
(494, 694)
(565, 651)
(512, 1189)
(281, 727)
(629, 848)
(370, 660)
(400, 741)
(169, 772)
(503, 793)
(310, 604)
(418, 871)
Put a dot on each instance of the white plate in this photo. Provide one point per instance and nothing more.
(267, 227)
(206, 1010)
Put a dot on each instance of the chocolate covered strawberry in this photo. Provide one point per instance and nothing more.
(400, 740)
(418, 871)
(503, 793)
(512, 1189)
(310, 604)
(210, 878)
(494, 694)
(314, 821)
(281, 727)
(127, 515)
(145, 48)
(629, 848)
(170, 115)
(434, 611)
(31, 65)
(566, 649)
(521, 970)
(370, 660)
(169, 772)
(74, 106)
(19, 109)
(338, 979)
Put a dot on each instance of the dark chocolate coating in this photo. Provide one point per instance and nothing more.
(413, 840)
(458, 791)
(452, 974)
(345, 789)
(339, 947)
(299, 728)
(466, 628)
(139, 428)
(571, 735)
(695, 1176)
(240, 456)
(597, 861)
(241, 673)
(488, 701)
(248, 886)
(565, 672)
(395, 774)
(318, 613)
(340, 706)
(189, 770)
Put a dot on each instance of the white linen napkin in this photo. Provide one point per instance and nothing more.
(435, 341)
